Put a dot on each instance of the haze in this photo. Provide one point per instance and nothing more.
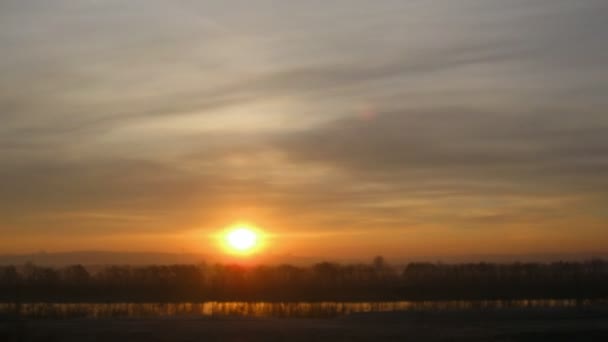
(342, 128)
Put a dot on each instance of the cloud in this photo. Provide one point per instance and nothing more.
(324, 117)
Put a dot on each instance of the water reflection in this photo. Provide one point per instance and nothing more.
(268, 309)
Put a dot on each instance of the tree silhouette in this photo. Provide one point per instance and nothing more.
(320, 282)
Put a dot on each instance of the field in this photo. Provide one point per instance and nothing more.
(323, 302)
(557, 324)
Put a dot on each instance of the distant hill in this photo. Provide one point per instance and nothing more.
(141, 258)
(157, 258)
(102, 258)
(509, 258)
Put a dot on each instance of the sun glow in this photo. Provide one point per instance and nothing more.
(242, 239)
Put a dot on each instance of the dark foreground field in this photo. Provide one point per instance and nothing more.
(568, 324)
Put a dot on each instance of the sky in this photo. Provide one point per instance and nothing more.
(340, 128)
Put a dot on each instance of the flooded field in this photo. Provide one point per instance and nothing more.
(270, 309)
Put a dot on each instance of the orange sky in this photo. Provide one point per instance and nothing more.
(345, 129)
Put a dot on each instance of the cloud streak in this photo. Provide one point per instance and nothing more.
(400, 117)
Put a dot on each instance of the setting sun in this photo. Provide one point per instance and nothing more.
(242, 239)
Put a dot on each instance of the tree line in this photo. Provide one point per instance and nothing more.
(319, 282)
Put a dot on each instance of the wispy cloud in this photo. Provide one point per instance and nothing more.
(399, 115)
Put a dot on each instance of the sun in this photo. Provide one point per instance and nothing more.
(242, 239)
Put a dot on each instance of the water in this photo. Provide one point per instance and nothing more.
(267, 309)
